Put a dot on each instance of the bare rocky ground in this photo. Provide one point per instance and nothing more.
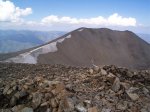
(58, 88)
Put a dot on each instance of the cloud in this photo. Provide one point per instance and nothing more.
(12, 17)
(113, 20)
(9, 12)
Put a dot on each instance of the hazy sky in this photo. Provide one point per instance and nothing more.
(66, 15)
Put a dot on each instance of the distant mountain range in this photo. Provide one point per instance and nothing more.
(11, 40)
(87, 47)
(145, 37)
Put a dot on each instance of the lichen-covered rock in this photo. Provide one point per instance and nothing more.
(111, 77)
(26, 109)
(103, 72)
(66, 105)
(53, 103)
(6, 89)
(131, 94)
(116, 85)
(37, 98)
(80, 108)
(17, 108)
(5, 110)
(91, 71)
(92, 109)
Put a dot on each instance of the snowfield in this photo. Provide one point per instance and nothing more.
(31, 56)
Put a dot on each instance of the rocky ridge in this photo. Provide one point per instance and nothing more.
(58, 88)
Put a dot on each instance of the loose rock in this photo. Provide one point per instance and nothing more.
(103, 72)
(116, 85)
(26, 109)
(58, 88)
(37, 97)
(93, 109)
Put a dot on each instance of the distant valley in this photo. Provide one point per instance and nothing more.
(12, 40)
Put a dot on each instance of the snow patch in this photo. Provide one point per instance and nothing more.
(31, 56)
(80, 30)
(69, 36)
(23, 58)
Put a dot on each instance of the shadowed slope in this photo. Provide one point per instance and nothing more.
(103, 46)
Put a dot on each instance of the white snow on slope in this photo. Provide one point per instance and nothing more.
(31, 56)
(80, 30)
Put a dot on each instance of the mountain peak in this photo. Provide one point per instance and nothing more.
(88, 46)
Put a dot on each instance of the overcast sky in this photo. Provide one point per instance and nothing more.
(66, 15)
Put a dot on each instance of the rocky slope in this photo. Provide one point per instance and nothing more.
(85, 46)
(58, 88)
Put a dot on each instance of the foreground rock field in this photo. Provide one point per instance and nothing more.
(58, 88)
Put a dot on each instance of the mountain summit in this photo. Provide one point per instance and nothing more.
(86, 46)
